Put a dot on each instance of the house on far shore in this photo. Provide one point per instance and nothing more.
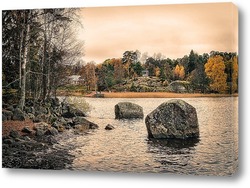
(75, 80)
(145, 73)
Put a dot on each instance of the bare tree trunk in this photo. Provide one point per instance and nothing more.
(48, 80)
(28, 79)
(44, 61)
(24, 63)
(38, 87)
(44, 80)
(20, 58)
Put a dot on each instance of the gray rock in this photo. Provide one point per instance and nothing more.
(179, 86)
(52, 118)
(14, 134)
(61, 128)
(8, 141)
(55, 102)
(128, 110)
(39, 132)
(57, 111)
(26, 138)
(26, 130)
(10, 108)
(109, 127)
(4, 118)
(68, 115)
(41, 118)
(70, 112)
(173, 119)
(78, 112)
(93, 125)
(7, 115)
(57, 125)
(52, 131)
(62, 121)
(41, 126)
(41, 110)
(18, 115)
(69, 121)
(82, 127)
(30, 109)
(83, 121)
(67, 127)
(31, 116)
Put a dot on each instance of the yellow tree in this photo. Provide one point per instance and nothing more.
(157, 72)
(182, 73)
(215, 71)
(235, 75)
(179, 72)
(176, 71)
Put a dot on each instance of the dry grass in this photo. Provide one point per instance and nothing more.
(71, 93)
(7, 126)
(161, 95)
(147, 95)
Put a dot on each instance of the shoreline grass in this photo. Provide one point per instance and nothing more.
(162, 95)
(148, 95)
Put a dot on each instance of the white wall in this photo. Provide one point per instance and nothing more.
(40, 179)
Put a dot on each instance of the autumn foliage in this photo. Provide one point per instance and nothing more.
(215, 70)
(235, 75)
(179, 72)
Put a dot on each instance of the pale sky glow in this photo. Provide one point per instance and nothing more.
(172, 30)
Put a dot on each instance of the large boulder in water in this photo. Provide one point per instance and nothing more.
(128, 110)
(173, 119)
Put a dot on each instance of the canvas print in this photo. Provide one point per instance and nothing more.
(142, 89)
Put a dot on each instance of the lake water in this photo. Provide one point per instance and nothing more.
(128, 149)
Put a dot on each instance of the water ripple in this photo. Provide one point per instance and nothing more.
(127, 148)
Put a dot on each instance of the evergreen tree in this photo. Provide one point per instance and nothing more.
(191, 62)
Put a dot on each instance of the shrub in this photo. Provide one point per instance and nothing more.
(79, 103)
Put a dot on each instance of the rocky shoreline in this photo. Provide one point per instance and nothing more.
(32, 146)
(33, 153)
(31, 137)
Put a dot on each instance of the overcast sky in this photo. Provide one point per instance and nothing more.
(172, 30)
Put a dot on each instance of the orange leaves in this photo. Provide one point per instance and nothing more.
(179, 72)
(235, 75)
(157, 71)
(215, 71)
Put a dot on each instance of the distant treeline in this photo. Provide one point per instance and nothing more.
(216, 72)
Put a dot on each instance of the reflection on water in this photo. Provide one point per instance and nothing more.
(164, 144)
(128, 149)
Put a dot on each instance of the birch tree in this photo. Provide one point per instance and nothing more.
(24, 62)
